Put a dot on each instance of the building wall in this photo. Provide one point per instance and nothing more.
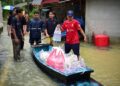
(103, 16)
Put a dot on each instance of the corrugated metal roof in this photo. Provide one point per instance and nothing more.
(39, 2)
(50, 1)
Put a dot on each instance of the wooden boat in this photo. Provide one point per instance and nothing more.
(66, 78)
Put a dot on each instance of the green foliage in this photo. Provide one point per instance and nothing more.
(10, 2)
(7, 2)
(32, 12)
(18, 1)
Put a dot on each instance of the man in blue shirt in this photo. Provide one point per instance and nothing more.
(35, 28)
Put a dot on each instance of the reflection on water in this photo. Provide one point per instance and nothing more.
(104, 62)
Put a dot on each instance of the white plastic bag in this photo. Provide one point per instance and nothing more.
(57, 34)
(72, 64)
(82, 62)
(70, 60)
(44, 55)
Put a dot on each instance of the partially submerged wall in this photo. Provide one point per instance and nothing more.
(103, 16)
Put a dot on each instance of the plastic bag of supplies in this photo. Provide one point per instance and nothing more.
(56, 59)
(57, 34)
(44, 55)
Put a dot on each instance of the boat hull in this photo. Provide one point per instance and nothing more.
(60, 76)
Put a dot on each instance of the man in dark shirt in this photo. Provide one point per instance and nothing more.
(50, 26)
(35, 28)
(17, 34)
(9, 22)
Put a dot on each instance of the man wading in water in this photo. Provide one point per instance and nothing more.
(17, 34)
(72, 26)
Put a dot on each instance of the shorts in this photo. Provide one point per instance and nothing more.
(37, 40)
(74, 47)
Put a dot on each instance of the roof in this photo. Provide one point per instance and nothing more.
(49, 1)
(40, 2)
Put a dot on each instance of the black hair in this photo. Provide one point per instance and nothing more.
(18, 10)
(10, 12)
(53, 12)
(36, 12)
(26, 12)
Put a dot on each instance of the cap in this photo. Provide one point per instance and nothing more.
(70, 13)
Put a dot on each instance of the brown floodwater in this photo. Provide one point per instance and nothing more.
(104, 61)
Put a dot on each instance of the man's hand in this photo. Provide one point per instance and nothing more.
(85, 39)
(59, 26)
(82, 32)
(17, 41)
(24, 29)
(47, 35)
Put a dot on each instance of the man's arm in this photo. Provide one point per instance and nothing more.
(82, 32)
(9, 29)
(9, 26)
(24, 29)
(14, 32)
(79, 28)
(24, 25)
(62, 27)
(46, 32)
(45, 29)
(29, 25)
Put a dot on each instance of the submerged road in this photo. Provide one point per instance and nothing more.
(105, 62)
(24, 73)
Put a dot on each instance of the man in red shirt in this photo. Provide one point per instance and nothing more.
(72, 26)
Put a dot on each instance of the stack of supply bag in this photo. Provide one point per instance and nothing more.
(57, 59)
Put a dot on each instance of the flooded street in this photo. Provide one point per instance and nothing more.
(104, 62)
(24, 73)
